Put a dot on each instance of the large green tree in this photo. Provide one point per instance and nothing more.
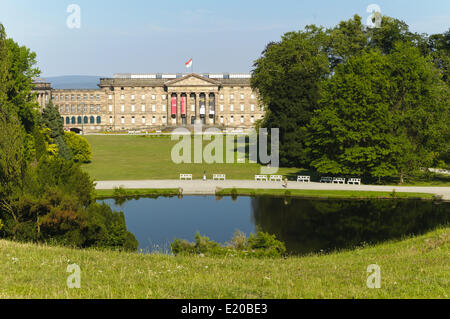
(381, 115)
(288, 77)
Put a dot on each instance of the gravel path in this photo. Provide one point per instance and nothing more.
(199, 187)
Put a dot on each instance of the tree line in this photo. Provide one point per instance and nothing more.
(44, 194)
(359, 101)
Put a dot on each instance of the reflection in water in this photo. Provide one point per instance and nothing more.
(307, 225)
(304, 225)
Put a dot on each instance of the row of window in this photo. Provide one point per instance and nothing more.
(73, 97)
(79, 108)
(153, 97)
(231, 119)
(79, 120)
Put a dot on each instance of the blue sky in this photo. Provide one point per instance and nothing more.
(147, 36)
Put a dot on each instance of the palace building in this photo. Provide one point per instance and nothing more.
(152, 102)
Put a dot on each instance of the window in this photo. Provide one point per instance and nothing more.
(262, 108)
(110, 97)
(98, 108)
(143, 108)
(98, 97)
(221, 120)
(110, 108)
(91, 120)
(153, 97)
(99, 119)
(79, 109)
(242, 96)
(232, 119)
(164, 120)
(73, 119)
(252, 96)
(143, 97)
(232, 97)
(132, 120)
(92, 96)
(85, 97)
(122, 97)
(132, 97)
(164, 97)
(79, 120)
(252, 108)
(122, 108)
(153, 120)
(85, 120)
(242, 119)
(110, 120)
(122, 120)
(193, 108)
(252, 119)
(232, 108)
(67, 120)
(242, 108)
(221, 107)
(163, 108)
(143, 120)
(221, 96)
(67, 110)
(153, 108)
(133, 108)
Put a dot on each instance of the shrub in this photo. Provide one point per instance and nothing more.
(79, 146)
(264, 244)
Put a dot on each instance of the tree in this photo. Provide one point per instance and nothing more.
(288, 77)
(79, 146)
(51, 119)
(19, 83)
(381, 115)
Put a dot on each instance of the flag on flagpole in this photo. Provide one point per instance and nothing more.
(189, 63)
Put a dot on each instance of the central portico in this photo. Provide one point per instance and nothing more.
(192, 98)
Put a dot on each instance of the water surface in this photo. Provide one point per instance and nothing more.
(304, 225)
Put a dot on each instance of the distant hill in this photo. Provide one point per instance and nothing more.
(74, 81)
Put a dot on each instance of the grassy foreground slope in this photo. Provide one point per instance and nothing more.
(412, 268)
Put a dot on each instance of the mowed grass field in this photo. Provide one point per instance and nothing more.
(412, 268)
(147, 158)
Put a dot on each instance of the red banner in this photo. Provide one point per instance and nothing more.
(183, 105)
(174, 105)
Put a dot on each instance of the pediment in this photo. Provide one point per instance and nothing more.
(192, 80)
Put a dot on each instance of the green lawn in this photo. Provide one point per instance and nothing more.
(139, 158)
(412, 268)
(125, 157)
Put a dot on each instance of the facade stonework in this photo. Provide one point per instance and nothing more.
(160, 102)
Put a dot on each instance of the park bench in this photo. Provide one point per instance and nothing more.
(186, 177)
(261, 178)
(338, 180)
(219, 177)
(354, 181)
(326, 180)
(304, 179)
(276, 178)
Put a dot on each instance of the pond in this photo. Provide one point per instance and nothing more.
(304, 225)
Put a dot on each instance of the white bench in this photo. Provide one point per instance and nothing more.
(261, 178)
(354, 181)
(187, 177)
(338, 180)
(276, 178)
(326, 180)
(304, 179)
(219, 177)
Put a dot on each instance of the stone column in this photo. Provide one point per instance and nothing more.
(197, 106)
